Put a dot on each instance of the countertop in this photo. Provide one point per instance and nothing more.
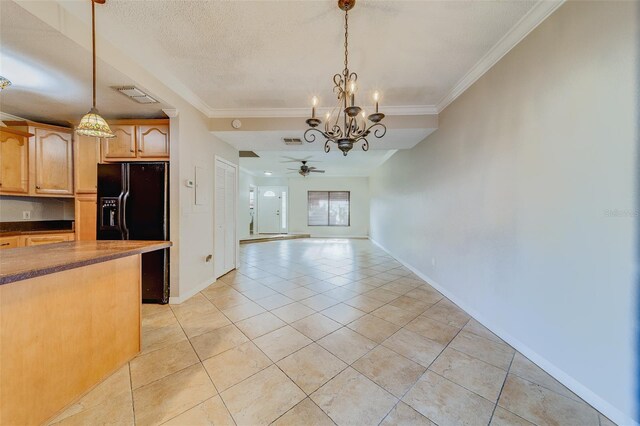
(29, 262)
(36, 227)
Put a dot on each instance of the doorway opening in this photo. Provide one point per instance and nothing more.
(252, 209)
(226, 243)
(272, 206)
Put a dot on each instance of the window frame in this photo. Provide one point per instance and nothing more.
(329, 208)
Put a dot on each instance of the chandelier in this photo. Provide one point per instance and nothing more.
(346, 124)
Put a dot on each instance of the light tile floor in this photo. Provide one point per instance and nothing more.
(322, 332)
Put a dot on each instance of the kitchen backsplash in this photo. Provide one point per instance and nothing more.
(12, 208)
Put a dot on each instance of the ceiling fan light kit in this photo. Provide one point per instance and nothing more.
(347, 124)
(92, 124)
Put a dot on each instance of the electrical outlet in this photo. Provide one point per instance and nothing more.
(26, 215)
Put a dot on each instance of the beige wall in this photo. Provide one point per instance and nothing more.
(506, 208)
(41, 208)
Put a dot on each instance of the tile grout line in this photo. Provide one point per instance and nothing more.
(502, 387)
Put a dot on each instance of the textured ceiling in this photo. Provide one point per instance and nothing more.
(51, 74)
(357, 163)
(277, 54)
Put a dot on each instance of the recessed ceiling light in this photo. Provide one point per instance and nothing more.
(267, 173)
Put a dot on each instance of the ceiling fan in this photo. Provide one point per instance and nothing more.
(306, 170)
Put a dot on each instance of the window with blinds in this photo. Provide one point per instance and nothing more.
(328, 208)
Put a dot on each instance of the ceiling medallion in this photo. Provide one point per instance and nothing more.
(92, 123)
(347, 124)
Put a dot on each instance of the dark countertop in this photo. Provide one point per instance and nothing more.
(9, 229)
(29, 262)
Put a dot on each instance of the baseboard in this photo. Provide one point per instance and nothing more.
(575, 386)
(352, 237)
(188, 295)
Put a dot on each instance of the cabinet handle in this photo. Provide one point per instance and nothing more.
(0, 183)
(4, 244)
(38, 187)
(132, 150)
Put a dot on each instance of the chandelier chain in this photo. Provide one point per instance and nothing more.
(346, 43)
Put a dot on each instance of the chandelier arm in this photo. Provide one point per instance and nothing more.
(310, 137)
(327, 146)
(380, 130)
(365, 144)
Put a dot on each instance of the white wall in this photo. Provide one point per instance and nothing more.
(298, 187)
(511, 199)
(194, 240)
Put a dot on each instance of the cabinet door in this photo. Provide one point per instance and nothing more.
(14, 170)
(38, 240)
(86, 212)
(54, 162)
(9, 242)
(123, 146)
(153, 141)
(87, 155)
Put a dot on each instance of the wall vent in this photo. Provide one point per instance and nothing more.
(292, 141)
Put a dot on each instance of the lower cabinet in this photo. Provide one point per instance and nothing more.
(34, 240)
(9, 242)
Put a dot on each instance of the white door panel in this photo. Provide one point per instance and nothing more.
(225, 218)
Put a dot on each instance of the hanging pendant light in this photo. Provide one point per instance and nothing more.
(92, 124)
(4, 82)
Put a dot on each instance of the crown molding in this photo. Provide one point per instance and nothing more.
(10, 117)
(170, 112)
(304, 112)
(536, 15)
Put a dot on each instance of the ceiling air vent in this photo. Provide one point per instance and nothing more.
(248, 154)
(136, 94)
(292, 141)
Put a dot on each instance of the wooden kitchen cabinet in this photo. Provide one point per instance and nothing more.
(153, 141)
(14, 161)
(9, 242)
(37, 240)
(47, 159)
(137, 140)
(85, 217)
(123, 146)
(54, 162)
(87, 157)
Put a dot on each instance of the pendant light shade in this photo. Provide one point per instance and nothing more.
(92, 124)
(4, 83)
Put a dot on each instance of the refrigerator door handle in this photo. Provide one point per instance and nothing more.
(123, 216)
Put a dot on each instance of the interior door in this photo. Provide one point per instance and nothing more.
(272, 209)
(225, 218)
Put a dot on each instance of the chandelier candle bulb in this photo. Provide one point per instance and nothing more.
(314, 103)
(376, 98)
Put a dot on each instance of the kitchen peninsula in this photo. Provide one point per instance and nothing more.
(69, 317)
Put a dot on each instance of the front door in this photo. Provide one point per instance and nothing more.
(272, 209)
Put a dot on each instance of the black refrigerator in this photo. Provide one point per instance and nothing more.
(133, 204)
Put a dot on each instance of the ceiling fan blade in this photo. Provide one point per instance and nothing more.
(291, 168)
(317, 171)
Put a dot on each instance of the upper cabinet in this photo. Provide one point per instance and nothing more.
(153, 141)
(44, 165)
(14, 161)
(137, 140)
(87, 157)
(54, 162)
(123, 146)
